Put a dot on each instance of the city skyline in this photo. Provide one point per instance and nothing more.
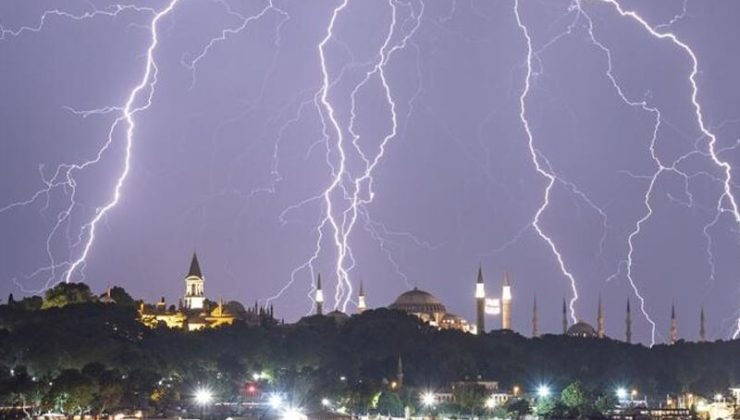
(589, 148)
(488, 307)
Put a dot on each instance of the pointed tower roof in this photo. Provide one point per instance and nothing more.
(535, 318)
(362, 289)
(195, 267)
(628, 323)
(480, 275)
(318, 282)
(507, 279)
(673, 311)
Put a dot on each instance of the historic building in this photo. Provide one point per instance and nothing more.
(429, 309)
(194, 311)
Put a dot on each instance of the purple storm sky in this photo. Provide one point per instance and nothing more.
(234, 153)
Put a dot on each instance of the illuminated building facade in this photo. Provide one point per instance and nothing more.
(429, 309)
(195, 313)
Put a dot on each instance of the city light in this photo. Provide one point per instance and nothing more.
(718, 397)
(260, 375)
(622, 394)
(543, 391)
(275, 401)
(293, 414)
(325, 402)
(516, 390)
(427, 399)
(490, 403)
(203, 396)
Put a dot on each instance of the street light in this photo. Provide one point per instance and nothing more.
(543, 391)
(293, 414)
(325, 402)
(275, 401)
(203, 396)
(427, 399)
(490, 403)
(516, 390)
(622, 394)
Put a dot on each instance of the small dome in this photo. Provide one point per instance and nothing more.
(581, 329)
(418, 301)
(338, 316)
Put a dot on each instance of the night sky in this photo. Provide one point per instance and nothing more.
(235, 143)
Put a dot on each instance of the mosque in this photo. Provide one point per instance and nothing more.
(431, 310)
(194, 311)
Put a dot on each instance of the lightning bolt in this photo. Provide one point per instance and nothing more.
(350, 215)
(111, 11)
(192, 63)
(726, 201)
(534, 154)
(64, 175)
(346, 197)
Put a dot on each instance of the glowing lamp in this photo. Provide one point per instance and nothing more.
(427, 399)
(203, 396)
(275, 401)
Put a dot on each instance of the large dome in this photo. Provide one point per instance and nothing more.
(418, 301)
(581, 329)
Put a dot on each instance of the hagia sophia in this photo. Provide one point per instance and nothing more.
(194, 311)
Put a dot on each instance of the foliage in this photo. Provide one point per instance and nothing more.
(470, 396)
(390, 404)
(575, 400)
(64, 294)
(99, 357)
(605, 402)
(517, 408)
(546, 407)
(121, 297)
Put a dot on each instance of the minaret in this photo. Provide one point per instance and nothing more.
(399, 372)
(600, 321)
(480, 303)
(361, 303)
(319, 297)
(194, 286)
(506, 303)
(702, 330)
(628, 324)
(565, 318)
(674, 326)
(535, 319)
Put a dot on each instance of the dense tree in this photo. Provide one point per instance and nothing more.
(517, 408)
(103, 351)
(575, 401)
(121, 297)
(470, 397)
(389, 404)
(66, 294)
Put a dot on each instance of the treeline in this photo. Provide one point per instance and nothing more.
(77, 354)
